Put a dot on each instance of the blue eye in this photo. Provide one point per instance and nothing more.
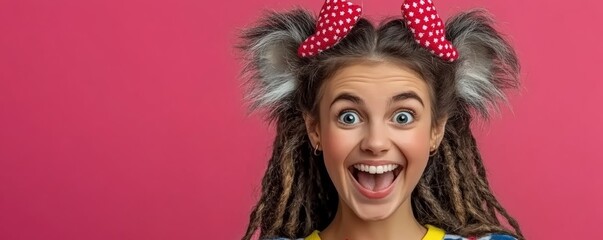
(349, 118)
(404, 117)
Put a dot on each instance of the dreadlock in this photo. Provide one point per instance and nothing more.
(297, 194)
(454, 192)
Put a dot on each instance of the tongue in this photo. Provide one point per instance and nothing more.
(375, 182)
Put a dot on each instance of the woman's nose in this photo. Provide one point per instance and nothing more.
(376, 139)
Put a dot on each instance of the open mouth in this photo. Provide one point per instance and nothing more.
(375, 178)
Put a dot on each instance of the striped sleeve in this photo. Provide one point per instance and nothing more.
(494, 236)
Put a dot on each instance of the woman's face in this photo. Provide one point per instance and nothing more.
(375, 132)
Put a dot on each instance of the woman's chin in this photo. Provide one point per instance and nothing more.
(373, 216)
(375, 212)
(372, 211)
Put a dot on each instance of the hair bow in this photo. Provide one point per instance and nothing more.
(427, 27)
(338, 17)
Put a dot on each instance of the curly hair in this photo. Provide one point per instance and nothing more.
(297, 194)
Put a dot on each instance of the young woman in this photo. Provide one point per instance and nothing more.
(372, 123)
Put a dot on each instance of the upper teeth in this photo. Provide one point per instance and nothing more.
(376, 169)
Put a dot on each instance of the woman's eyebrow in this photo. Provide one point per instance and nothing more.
(407, 95)
(349, 97)
(398, 97)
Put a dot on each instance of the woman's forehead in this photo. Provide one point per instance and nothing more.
(375, 78)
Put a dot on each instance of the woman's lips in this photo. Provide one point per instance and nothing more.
(375, 181)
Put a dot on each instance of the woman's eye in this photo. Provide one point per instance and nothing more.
(349, 118)
(404, 117)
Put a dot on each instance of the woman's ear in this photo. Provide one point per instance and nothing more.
(437, 132)
(312, 128)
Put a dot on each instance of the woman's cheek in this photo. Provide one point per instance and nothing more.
(413, 143)
(339, 143)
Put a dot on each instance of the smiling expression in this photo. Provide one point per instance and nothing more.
(375, 131)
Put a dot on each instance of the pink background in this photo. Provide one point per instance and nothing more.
(124, 119)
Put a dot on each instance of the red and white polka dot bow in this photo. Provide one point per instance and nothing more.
(338, 17)
(427, 27)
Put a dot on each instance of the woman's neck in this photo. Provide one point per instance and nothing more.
(401, 225)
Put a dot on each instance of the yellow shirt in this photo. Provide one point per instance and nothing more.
(433, 233)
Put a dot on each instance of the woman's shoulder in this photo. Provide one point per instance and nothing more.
(436, 233)
(433, 233)
(493, 236)
(448, 237)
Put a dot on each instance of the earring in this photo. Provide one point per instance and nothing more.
(316, 149)
(433, 151)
